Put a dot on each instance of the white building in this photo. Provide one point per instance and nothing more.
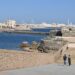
(22, 27)
(3, 25)
(10, 23)
(41, 25)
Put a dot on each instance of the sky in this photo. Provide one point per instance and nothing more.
(38, 11)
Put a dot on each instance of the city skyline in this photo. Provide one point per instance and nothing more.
(38, 11)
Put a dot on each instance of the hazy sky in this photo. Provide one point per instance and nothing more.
(37, 11)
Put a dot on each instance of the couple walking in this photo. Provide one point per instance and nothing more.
(67, 59)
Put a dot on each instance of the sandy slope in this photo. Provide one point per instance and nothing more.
(19, 59)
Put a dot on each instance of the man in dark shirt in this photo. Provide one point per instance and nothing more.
(64, 58)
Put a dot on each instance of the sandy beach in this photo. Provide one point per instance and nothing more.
(11, 59)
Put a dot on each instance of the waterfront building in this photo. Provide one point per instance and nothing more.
(41, 25)
(22, 27)
(2, 25)
(61, 25)
(10, 23)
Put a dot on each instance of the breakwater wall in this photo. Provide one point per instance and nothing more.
(28, 32)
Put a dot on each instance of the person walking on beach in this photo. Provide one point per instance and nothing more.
(69, 60)
(64, 59)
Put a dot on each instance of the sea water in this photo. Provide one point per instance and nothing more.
(13, 40)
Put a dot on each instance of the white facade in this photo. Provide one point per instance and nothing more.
(11, 23)
(3, 25)
(22, 27)
(42, 25)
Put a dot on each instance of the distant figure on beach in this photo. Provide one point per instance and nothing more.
(69, 60)
(64, 59)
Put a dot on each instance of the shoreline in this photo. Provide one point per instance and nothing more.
(27, 32)
(13, 59)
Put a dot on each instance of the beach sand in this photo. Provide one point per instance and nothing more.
(11, 59)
